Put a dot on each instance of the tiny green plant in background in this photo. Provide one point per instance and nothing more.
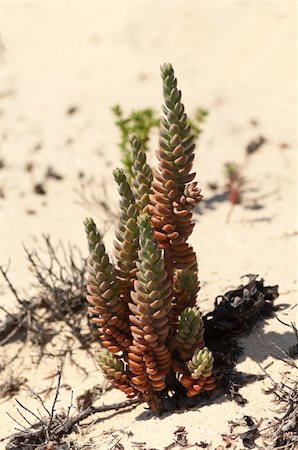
(197, 120)
(141, 122)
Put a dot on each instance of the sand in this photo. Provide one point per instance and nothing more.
(238, 60)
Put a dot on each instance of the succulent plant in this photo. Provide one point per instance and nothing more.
(190, 332)
(201, 363)
(150, 328)
(200, 367)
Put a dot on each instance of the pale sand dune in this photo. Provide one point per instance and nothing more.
(237, 59)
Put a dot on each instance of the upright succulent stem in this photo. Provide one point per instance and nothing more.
(185, 289)
(104, 294)
(190, 333)
(149, 357)
(127, 233)
(141, 175)
(174, 194)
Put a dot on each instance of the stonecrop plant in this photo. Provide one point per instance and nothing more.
(151, 329)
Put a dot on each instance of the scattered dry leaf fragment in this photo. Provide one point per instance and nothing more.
(29, 166)
(39, 189)
(71, 110)
(255, 144)
(52, 173)
(228, 441)
(181, 436)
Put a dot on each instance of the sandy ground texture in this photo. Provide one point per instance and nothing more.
(237, 59)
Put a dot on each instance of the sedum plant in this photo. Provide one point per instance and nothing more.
(151, 330)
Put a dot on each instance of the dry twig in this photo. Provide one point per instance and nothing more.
(60, 297)
(56, 425)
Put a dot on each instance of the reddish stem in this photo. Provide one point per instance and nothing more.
(169, 263)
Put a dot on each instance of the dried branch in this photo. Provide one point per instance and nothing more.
(57, 303)
(10, 285)
(49, 425)
(22, 319)
(57, 426)
(283, 433)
